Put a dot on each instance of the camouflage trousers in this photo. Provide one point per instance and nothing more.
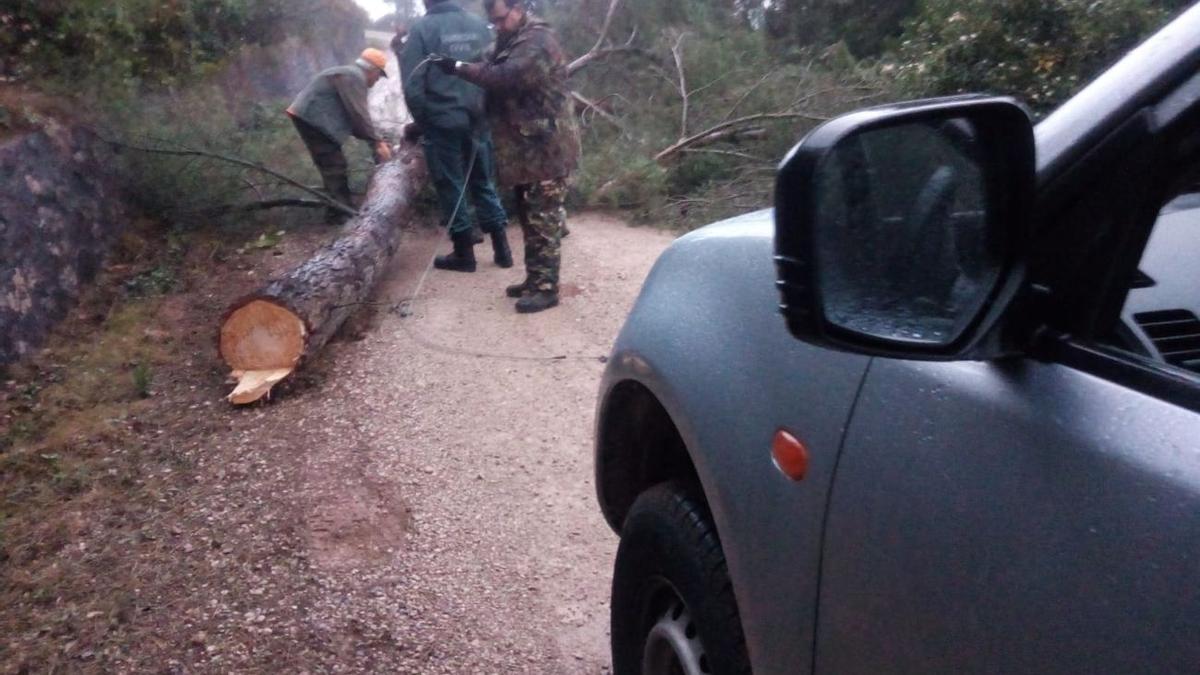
(330, 161)
(541, 208)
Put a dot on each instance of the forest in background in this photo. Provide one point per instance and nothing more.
(688, 105)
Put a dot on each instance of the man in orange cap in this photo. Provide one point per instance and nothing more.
(331, 109)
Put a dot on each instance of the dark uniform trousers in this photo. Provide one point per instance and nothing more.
(449, 154)
(330, 161)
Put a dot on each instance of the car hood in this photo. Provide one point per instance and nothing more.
(756, 224)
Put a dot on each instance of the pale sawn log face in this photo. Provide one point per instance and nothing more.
(262, 335)
(327, 288)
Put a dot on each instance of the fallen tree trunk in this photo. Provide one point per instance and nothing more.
(268, 334)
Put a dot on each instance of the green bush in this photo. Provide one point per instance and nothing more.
(185, 190)
(1041, 51)
(732, 71)
(135, 43)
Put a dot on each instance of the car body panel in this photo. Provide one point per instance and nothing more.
(1015, 516)
(1012, 517)
(706, 338)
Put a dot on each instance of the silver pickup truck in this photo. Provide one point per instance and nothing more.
(971, 441)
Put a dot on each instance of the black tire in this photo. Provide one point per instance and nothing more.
(670, 552)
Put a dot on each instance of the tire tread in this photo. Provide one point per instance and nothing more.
(683, 521)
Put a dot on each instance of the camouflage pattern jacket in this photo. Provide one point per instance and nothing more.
(529, 105)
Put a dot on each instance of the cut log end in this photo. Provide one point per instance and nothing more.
(259, 341)
(255, 384)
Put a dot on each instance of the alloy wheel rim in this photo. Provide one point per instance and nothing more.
(673, 644)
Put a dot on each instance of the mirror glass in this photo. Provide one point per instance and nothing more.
(905, 252)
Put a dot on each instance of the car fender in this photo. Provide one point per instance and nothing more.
(706, 339)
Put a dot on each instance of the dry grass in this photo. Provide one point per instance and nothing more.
(71, 464)
(115, 513)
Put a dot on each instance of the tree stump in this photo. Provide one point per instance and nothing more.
(267, 335)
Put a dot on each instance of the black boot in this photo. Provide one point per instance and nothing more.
(476, 235)
(337, 216)
(463, 257)
(537, 301)
(337, 186)
(517, 290)
(503, 254)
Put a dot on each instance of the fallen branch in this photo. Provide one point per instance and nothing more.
(608, 19)
(729, 153)
(599, 51)
(592, 57)
(684, 95)
(264, 205)
(746, 95)
(595, 107)
(720, 131)
(237, 161)
(246, 181)
(731, 135)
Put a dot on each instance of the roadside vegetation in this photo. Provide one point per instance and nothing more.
(775, 70)
(737, 82)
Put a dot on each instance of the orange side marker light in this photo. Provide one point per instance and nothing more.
(790, 455)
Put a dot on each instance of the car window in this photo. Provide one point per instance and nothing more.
(1161, 315)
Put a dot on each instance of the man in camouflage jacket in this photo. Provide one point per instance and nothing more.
(537, 139)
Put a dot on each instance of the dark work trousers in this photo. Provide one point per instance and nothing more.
(331, 162)
(448, 154)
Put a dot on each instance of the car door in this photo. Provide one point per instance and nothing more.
(1021, 517)
(1035, 514)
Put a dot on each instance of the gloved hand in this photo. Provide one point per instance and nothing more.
(383, 152)
(445, 63)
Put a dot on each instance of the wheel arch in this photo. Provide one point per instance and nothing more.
(638, 446)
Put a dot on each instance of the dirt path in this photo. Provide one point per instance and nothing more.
(419, 500)
(446, 489)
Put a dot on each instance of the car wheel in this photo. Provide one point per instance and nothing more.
(673, 610)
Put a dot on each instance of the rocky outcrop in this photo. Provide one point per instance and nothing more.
(59, 213)
(60, 209)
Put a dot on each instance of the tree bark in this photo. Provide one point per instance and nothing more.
(268, 334)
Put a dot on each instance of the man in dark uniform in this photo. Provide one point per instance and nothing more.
(332, 108)
(537, 139)
(449, 113)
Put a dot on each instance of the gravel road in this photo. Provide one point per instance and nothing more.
(446, 484)
(419, 499)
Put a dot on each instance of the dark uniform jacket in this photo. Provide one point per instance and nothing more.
(435, 98)
(529, 105)
(335, 102)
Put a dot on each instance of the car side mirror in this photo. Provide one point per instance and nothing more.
(902, 231)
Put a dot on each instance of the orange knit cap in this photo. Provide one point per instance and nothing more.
(375, 58)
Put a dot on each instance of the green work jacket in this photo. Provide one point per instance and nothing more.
(434, 98)
(336, 103)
